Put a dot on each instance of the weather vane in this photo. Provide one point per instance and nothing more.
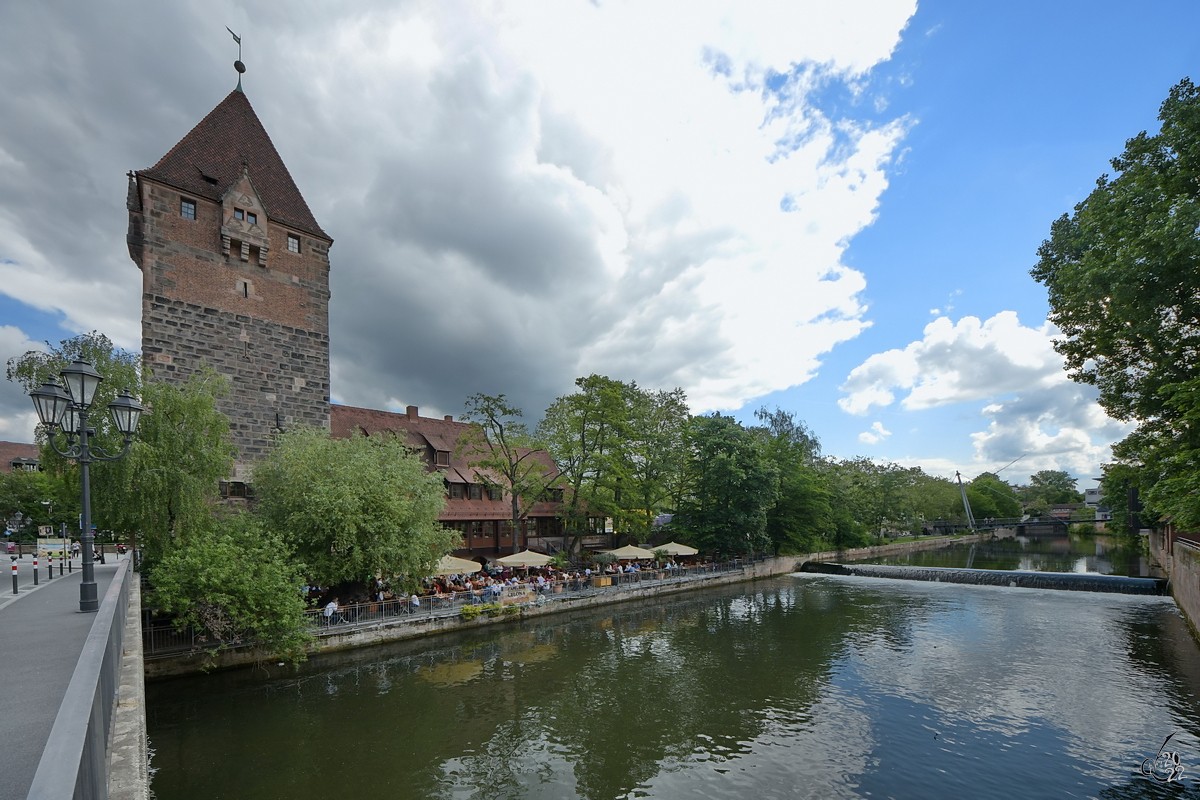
(238, 65)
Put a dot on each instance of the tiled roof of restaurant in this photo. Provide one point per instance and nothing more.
(13, 451)
(419, 432)
(210, 158)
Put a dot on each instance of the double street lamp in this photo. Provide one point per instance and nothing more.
(68, 411)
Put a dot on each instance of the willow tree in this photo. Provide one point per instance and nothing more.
(167, 484)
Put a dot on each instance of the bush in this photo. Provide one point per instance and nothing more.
(237, 583)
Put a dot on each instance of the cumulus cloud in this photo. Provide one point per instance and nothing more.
(17, 417)
(520, 193)
(1033, 409)
(877, 434)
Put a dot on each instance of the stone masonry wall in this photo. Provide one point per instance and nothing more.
(266, 328)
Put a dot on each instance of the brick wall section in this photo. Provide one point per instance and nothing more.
(266, 328)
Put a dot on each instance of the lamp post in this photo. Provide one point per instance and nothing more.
(68, 411)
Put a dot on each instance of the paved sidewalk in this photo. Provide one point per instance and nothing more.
(41, 636)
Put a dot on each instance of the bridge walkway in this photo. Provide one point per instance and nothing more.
(42, 634)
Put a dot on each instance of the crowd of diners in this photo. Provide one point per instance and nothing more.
(488, 584)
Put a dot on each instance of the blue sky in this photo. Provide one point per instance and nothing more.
(1016, 111)
(765, 203)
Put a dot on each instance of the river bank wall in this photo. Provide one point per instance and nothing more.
(1180, 560)
(397, 629)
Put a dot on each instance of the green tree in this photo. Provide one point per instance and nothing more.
(996, 498)
(167, 483)
(801, 515)
(235, 581)
(42, 497)
(1052, 486)
(655, 459)
(353, 508)
(1123, 277)
(507, 457)
(166, 487)
(584, 432)
(733, 484)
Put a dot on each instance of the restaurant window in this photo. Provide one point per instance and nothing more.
(531, 527)
(477, 530)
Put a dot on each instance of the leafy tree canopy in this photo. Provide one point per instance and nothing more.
(235, 581)
(733, 485)
(353, 508)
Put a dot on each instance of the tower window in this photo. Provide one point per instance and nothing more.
(293, 244)
(251, 217)
(187, 209)
(239, 214)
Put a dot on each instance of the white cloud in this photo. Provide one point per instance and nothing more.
(875, 435)
(970, 360)
(521, 193)
(17, 417)
(1033, 410)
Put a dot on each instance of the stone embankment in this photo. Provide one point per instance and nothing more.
(1180, 560)
(394, 629)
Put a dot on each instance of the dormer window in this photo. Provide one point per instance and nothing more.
(187, 209)
(293, 244)
(441, 458)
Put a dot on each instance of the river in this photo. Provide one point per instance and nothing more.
(801, 686)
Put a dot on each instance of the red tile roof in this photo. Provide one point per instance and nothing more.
(209, 159)
(9, 451)
(420, 432)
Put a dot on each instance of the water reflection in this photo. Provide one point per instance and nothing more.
(1103, 555)
(807, 686)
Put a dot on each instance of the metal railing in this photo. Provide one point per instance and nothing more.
(74, 763)
(161, 641)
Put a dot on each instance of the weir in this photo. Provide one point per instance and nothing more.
(1065, 581)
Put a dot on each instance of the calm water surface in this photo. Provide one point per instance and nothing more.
(1099, 554)
(805, 686)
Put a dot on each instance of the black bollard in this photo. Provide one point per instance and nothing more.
(14, 563)
(35, 571)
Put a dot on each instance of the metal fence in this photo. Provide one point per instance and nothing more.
(74, 763)
(164, 641)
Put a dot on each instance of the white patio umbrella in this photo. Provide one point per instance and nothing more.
(677, 549)
(630, 553)
(449, 565)
(526, 558)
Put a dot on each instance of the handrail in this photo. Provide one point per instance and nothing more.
(74, 761)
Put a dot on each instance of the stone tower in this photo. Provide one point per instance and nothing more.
(235, 276)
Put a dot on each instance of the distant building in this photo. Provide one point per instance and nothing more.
(483, 517)
(18, 457)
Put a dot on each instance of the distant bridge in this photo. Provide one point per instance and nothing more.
(1022, 527)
